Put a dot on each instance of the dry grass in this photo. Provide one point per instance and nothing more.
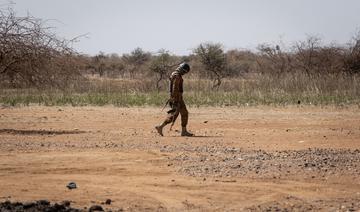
(255, 90)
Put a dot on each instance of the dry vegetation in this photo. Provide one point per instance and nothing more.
(31, 56)
(38, 67)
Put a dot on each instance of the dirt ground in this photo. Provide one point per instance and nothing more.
(242, 159)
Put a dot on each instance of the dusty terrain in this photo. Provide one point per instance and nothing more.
(265, 158)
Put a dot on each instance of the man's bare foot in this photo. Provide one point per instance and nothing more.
(159, 130)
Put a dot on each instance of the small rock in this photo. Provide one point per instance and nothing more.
(58, 207)
(108, 201)
(71, 185)
(66, 203)
(96, 208)
(43, 202)
(28, 205)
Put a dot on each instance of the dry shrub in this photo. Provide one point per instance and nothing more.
(32, 56)
(352, 59)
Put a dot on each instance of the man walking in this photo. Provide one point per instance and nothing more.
(176, 101)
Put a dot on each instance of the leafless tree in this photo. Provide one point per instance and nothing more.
(352, 59)
(135, 60)
(239, 62)
(309, 57)
(274, 59)
(213, 58)
(31, 55)
(161, 65)
(307, 54)
(98, 63)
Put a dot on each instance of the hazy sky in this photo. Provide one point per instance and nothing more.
(119, 26)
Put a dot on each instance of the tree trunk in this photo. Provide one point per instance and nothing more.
(158, 83)
(217, 80)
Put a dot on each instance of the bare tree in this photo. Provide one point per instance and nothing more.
(116, 66)
(161, 64)
(313, 58)
(239, 62)
(306, 54)
(213, 58)
(31, 55)
(135, 59)
(329, 60)
(352, 58)
(309, 57)
(99, 64)
(274, 59)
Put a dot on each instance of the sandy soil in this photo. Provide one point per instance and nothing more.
(265, 158)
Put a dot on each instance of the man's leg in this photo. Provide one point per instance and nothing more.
(184, 119)
(170, 118)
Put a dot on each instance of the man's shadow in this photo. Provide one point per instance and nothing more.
(199, 136)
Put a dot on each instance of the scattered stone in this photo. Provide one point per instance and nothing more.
(40, 205)
(43, 202)
(96, 208)
(59, 207)
(71, 185)
(66, 203)
(108, 201)
(224, 161)
(28, 205)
